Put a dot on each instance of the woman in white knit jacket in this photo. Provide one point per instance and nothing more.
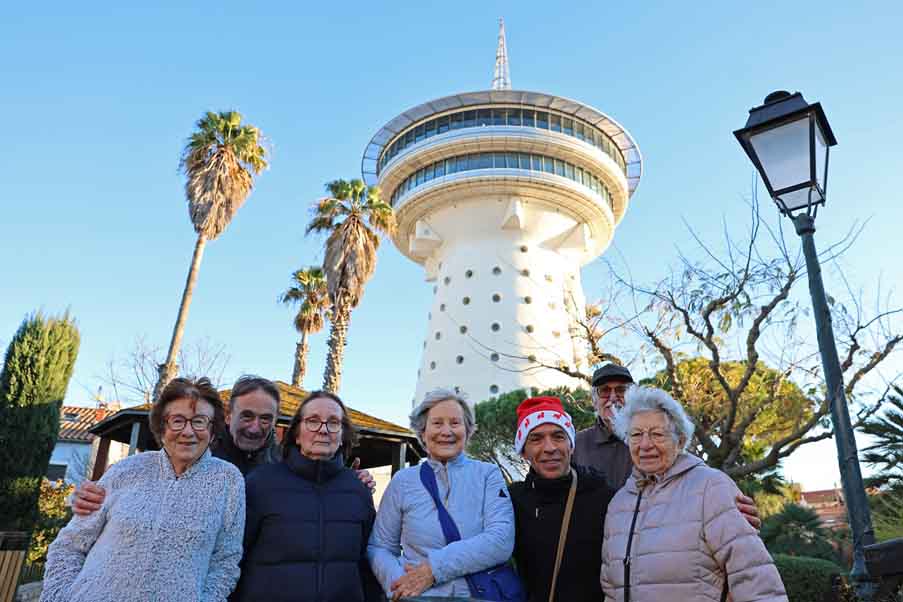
(673, 532)
(172, 522)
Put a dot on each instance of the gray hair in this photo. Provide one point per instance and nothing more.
(649, 399)
(431, 400)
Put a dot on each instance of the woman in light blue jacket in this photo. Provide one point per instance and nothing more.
(408, 551)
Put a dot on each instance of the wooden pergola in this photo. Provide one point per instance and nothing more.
(380, 442)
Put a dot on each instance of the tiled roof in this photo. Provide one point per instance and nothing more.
(76, 421)
(291, 398)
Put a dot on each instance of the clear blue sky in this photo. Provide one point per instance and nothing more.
(97, 102)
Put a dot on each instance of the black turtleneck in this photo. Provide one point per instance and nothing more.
(538, 510)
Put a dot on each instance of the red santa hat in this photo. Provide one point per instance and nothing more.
(541, 410)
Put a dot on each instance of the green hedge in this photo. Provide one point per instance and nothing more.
(807, 579)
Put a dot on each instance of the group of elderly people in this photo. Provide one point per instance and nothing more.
(620, 510)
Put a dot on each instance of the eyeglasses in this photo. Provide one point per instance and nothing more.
(177, 422)
(605, 391)
(656, 436)
(315, 424)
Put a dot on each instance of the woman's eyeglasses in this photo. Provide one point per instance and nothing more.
(177, 423)
(315, 424)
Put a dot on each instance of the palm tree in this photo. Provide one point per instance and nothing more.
(309, 289)
(354, 216)
(886, 453)
(220, 161)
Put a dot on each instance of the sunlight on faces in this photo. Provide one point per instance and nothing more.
(184, 447)
(652, 443)
(319, 444)
(609, 397)
(252, 421)
(445, 433)
(548, 450)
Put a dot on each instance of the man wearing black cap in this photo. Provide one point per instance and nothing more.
(598, 446)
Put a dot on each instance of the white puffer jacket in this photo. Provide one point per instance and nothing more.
(688, 536)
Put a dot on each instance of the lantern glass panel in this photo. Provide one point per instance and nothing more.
(783, 152)
(821, 157)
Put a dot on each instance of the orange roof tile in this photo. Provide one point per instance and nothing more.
(76, 421)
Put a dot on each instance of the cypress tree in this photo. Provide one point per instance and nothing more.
(36, 372)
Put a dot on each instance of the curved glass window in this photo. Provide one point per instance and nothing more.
(505, 116)
(519, 161)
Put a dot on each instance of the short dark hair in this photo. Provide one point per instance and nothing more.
(199, 389)
(248, 383)
(349, 432)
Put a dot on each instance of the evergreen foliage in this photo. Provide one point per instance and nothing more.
(53, 516)
(809, 579)
(36, 372)
(497, 421)
(798, 531)
(886, 453)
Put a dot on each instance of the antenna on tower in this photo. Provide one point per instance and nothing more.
(501, 80)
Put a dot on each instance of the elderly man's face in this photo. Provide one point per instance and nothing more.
(548, 450)
(608, 397)
(253, 419)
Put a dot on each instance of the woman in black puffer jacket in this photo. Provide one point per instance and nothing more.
(309, 517)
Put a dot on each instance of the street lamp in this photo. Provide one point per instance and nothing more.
(788, 141)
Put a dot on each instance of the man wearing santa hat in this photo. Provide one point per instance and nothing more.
(545, 439)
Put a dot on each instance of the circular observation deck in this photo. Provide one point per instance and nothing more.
(558, 150)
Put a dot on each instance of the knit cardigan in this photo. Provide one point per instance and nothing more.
(158, 536)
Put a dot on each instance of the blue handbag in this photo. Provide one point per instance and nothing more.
(498, 583)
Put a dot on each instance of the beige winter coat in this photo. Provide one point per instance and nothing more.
(688, 534)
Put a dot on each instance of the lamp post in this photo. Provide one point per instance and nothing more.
(788, 141)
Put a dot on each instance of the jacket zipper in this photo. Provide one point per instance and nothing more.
(322, 566)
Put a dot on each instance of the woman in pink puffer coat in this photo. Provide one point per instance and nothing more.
(673, 532)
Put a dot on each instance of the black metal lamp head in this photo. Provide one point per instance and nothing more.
(787, 141)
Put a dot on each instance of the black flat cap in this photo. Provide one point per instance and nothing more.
(610, 372)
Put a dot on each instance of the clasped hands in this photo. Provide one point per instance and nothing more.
(417, 579)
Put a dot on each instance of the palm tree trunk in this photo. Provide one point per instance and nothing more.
(169, 369)
(300, 369)
(332, 376)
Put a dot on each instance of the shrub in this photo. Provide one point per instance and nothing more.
(798, 531)
(807, 579)
(33, 382)
(53, 516)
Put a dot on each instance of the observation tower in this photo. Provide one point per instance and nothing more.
(502, 196)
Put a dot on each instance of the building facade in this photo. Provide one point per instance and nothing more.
(502, 196)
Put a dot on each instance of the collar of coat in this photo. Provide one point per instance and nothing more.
(168, 472)
(685, 461)
(602, 434)
(264, 454)
(317, 471)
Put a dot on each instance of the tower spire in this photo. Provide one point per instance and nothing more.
(501, 80)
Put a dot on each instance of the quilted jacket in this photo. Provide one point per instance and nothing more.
(688, 536)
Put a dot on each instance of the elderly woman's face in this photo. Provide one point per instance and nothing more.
(320, 430)
(187, 425)
(651, 441)
(446, 432)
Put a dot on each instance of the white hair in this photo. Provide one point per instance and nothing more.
(434, 398)
(649, 399)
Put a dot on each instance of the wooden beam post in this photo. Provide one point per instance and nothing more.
(101, 459)
(133, 440)
(399, 455)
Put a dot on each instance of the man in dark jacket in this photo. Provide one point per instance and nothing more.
(598, 446)
(545, 439)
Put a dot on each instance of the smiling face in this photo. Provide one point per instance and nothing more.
(320, 444)
(548, 450)
(653, 448)
(445, 433)
(253, 419)
(185, 446)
